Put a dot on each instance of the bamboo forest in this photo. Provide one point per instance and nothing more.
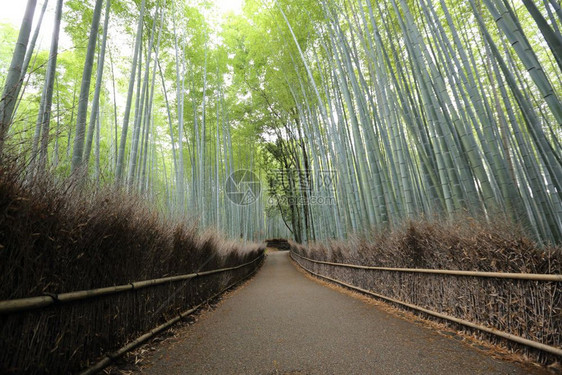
(387, 110)
(314, 154)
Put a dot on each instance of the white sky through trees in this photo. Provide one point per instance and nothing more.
(11, 11)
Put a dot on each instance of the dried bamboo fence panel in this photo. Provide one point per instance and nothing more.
(526, 306)
(68, 332)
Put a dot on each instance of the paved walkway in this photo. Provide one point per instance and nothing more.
(283, 323)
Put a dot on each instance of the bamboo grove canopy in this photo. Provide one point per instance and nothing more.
(426, 107)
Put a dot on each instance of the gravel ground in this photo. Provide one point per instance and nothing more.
(281, 322)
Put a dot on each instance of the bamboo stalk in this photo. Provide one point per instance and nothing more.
(494, 275)
(24, 304)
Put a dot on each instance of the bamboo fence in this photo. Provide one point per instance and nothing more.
(69, 332)
(523, 308)
(24, 304)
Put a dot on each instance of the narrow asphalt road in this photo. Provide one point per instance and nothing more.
(283, 323)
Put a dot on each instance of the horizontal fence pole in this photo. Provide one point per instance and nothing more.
(494, 275)
(106, 361)
(24, 304)
(505, 335)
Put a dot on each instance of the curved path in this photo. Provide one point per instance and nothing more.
(283, 323)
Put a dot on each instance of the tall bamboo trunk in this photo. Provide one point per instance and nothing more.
(82, 112)
(15, 73)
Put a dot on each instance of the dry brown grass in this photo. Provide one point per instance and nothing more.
(463, 244)
(57, 236)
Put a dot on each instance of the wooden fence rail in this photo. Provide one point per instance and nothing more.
(498, 275)
(24, 304)
(109, 358)
(493, 275)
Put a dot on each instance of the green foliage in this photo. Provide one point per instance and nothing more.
(404, 98)
(8, 38)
